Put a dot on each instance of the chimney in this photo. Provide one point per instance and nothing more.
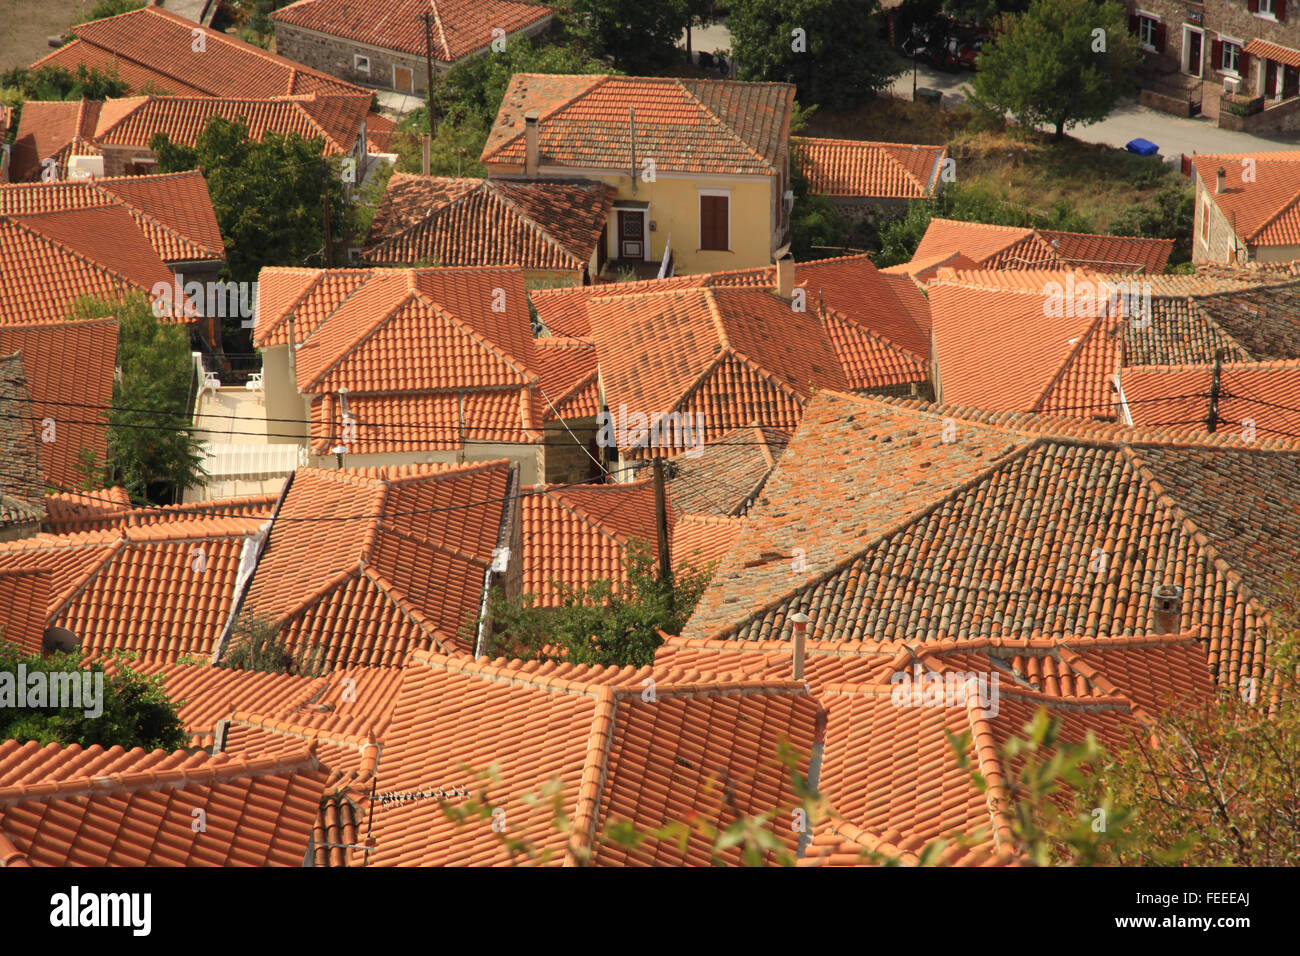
(800, 622)
(1167, 603)
(531, 148)
(1220, 181)
(785, 276)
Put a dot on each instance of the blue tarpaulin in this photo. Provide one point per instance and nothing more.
(1143, 147)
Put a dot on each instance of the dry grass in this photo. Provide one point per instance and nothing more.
(1098, 181)
(27, 24)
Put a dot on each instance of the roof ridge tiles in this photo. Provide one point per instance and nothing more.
(529, 375)
(595, 773)
(720, 123)
(989, 762)
(520, 213)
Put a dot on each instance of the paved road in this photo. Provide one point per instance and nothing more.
(1173, 134)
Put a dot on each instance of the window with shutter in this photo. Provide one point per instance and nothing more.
(1161, 33)
(1279, 10)
(1243, 63)
(1216, 55)
(714, 215)
(1252, 6)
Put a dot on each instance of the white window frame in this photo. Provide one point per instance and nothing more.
(1268, 14)
(357, 60)
(1145, 20)
(725, 193)
(1188, 30)
(1236, 62)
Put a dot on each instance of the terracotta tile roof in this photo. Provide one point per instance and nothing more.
(347, 701)
(568, 372)
(335, 119)
(576, 534)
(728, 474)
(153, 45)
(430, 357)
(564, 310)
(138, 809)
(734, 356)
(70, 374)
(1265, 321)
(460, 27)
(917, 523)
(1272, 51)
(173, 210)
(1260, 196)
(616, 756)
(21, 485)
(1013, 247)
(48, 260)
(164, 589)
(722, 127)
(1265, 394)
(401, 569)
(24, 595)
(921, 269)
(701, 540)
(850, 167)
(483, 222)
(1063, 357)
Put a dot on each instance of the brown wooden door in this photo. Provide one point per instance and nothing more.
(631, 234)
(402, 80)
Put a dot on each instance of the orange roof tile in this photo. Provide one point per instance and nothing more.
(730, 357)
(615, 755)
(24, 595)
(921, 269)
(727, 476)
(141, 811)
(1260, 196)
(173, 210)
(165, 589)
(701, 540)
(849, 167)
(685, 125)
(576, 534)
(483, 222)
(460, 27)
(371, 564)
(1014, 247)
(1259, 397)
(84, 511)
(568, 372)
(48, 260)
(155, 46)
(70, 373)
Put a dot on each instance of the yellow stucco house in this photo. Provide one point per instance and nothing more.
(700, 167)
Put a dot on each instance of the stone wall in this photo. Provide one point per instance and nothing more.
(566, 459)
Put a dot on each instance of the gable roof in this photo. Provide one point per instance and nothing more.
(74, 806)
(726, 357)
(576, 534)
(688, 126)
(155, 46)
(921, 515)
(567, 370)
(166, 589)
(616, 757)
(371, 564)
(850, 167)
(484, 222)
(1014, 247)
(70, 373)
(460, 27)
(1261, 192)
(726, 476)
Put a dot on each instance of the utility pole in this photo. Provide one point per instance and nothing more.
(427, 17)
(661, 523)
(1212, 420)
(325, 209)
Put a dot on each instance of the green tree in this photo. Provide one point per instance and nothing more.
(151, 454)
(638, 37)
(600, 623)
(135, 711)
(257, 645)
(838, 60)
(816, 229)
(267, 195)
(1169, 215)
(56, 83)
(1061, 63)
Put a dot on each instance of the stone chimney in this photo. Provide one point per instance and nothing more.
(800, 622)
(785, 276)
(532, 150)
(1167, 608)
(1220, 180)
